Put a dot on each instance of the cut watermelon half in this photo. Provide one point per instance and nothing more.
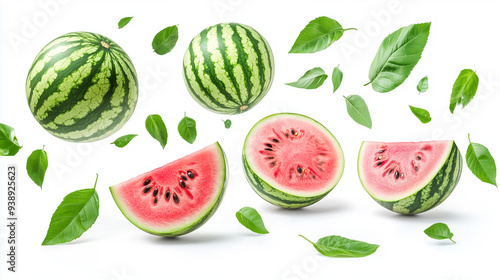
(291, 160)
(409, 177)
(178, 197)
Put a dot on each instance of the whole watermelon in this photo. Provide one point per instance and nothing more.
(228, 68)
(82, 87)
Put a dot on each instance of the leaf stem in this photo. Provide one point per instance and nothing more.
(367, 83)
(307, 239)
(453, 241)
(96, 177)
(468, 135)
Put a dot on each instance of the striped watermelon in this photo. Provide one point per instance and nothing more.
(228, 68)
(409, 178)
(291, 160)
(82, 87)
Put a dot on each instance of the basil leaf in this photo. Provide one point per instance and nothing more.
(397, 56)
(357, 109)
(251, 219)
(124, 21)
(422, 114)
(187, 129)
(423, 85)
(157, 129)
(165, 40)
(122, 141)
(36, 165)
(464, 89)
(338, 246)
(8, 141)
(76, 214)
(337, 76)
(227, 123)
(312, 79)
(481, 163)
(439, 231)
(318, 35)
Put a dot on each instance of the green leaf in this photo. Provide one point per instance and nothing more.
(8, 141)
(124, 21)
(397, 56)
(36, 165)
(157, 129)
(337, 76)
(122, 141)
(251, 219)
(227, 123)
(338, 246)
(76, 214)
(423, 85)
(464, 89)
(357, 109)
(439, 231)
(318, 35)
(165, 40)
(312, 79)
(187, 129)
(422, 114)
(481, 163)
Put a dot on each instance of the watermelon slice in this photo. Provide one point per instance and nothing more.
(291, 160)
(176, 198)
(409, 177)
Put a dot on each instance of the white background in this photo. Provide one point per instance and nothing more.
(464, 34)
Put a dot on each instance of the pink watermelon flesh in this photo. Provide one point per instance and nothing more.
(295, 154)
(175, 198)
(416, 163)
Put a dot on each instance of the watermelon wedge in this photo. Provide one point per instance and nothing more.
(409, 177)
(178, 197)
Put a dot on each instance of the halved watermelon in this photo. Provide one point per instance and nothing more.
(291, 160)
(409, 177)
(178, 197)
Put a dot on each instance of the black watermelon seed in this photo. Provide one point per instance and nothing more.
(190, 174)
(273, 163)
(176, 198)
(379, 163)
(167, 195)
(396, 175)
(267, 149)
(147, 182)
(269, 145)
(390, 171)
(299, 169)
(182, 184)
(381, 151)
(293, 132)
(416, 168)
(419, 158)
(270, 158)
(147, 189)
(155, 192)
(275, 140)
(156, 200)
(184, 178)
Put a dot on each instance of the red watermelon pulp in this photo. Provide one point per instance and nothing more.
(178, 197)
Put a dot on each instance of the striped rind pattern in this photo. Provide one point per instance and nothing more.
(275, 196)
(82, 87)
(228, 68)
(434, 192)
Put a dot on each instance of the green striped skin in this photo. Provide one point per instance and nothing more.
(275, 196)
(434, 192)
(82, 87)
(228, 68)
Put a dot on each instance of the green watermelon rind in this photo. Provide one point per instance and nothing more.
(82, 87)
(225, 88)
(204, 217)
(431, 194)
(278, 197)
